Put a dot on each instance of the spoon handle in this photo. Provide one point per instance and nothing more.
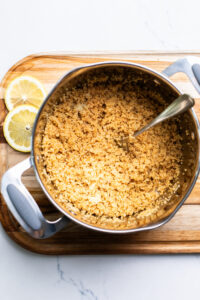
(178, 106)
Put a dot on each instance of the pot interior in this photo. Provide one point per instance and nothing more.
(156, 88)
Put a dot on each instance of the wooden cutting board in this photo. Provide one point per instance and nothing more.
(180, 235)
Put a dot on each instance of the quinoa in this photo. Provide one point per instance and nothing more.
(89, 171)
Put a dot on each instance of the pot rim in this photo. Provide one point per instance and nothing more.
(171, 85)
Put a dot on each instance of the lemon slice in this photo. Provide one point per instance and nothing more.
(18, 126)
(24, 90)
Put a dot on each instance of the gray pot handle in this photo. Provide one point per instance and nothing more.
(189, 65)
(23, 206)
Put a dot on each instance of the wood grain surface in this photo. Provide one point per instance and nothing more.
(180, 235)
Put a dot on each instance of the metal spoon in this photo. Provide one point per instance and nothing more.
(178, 106)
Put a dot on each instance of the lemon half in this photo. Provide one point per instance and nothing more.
(24, 90)
(18, 127)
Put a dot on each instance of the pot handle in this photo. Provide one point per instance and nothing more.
(189, 65)
(23, 206)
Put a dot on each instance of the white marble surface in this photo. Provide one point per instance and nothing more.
(36, 26)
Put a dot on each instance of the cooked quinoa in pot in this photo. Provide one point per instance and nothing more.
(89, 173)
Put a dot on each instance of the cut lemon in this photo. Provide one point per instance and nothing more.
(18, 126)
(24, 90)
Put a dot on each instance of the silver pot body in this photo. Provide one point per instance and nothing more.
(21, 203)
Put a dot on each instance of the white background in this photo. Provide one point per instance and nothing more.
(27, 27)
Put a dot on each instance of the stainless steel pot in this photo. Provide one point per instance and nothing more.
(22, 204)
